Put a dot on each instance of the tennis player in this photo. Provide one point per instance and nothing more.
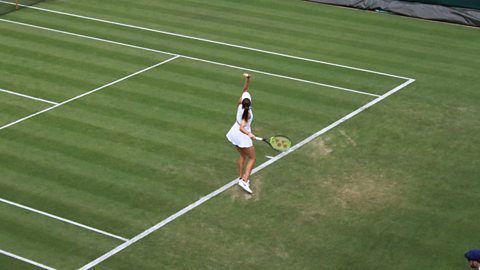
(241, 136)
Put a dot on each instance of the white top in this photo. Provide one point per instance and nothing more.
(239, 118)
(234, 135)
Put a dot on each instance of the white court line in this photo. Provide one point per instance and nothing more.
(189, 57)
(87, 93)
(6, 253)
(27, 96)
(63, 220)
(234, 182)
(284, 77)
(209, 41)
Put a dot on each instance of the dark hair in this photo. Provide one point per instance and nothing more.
(246, 106)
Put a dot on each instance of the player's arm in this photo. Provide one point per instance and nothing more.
(247, 82)
(244, 131)
(245, 86)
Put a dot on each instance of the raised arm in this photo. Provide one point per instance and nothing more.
(245, 85)
(247, 81)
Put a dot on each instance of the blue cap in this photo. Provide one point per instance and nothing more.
(473, 255)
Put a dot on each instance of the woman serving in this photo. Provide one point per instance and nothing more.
(241, 136)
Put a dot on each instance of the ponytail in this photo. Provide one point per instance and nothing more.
(246, 107)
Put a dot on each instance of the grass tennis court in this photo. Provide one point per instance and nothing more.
(114, 113)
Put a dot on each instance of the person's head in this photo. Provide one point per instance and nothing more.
(473, 257)
(246, 103)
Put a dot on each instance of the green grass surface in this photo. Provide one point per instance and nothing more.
(394, 187)
(15, 107)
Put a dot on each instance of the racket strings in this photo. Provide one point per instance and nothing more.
(280, 143)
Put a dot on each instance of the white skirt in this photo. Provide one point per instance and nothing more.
(237, 138)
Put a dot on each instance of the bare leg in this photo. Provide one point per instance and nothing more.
(250, 153)
(241, 161)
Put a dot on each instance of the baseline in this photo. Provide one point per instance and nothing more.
(207, 40)
(27, 96)
(233, 182)
(63, 220)
(6, 253)
(191, 58)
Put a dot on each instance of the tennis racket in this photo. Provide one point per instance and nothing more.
(279, 143)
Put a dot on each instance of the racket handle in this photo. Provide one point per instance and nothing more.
(258, 139)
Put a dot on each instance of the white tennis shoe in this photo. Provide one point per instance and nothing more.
(245, 185)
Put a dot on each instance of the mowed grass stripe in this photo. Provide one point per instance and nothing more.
(78, 197)
(239, 15)
(317, 14)
(76, 47)
(57, 62)
(197, 78)
(332, 39)
(48, 77)
(16, 107)
(110, 204)
(131, 110)
(58, 146)
(166, 89)
(378, 60)
(263, 33)
(87, 151)
(71, 244)
(58, 169)
(277, 102)
(167, 127)
(290, 67)
(12, 263)
(124, 139)
(61, 78)
(360, 195)
(362, 43)
(53, 142)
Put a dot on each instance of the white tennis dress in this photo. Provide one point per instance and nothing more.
(234, 135)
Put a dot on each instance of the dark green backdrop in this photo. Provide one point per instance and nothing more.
(475, 4)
